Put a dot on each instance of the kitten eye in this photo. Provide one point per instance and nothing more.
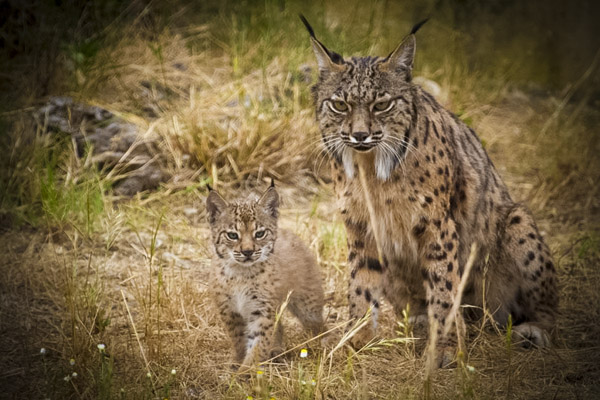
(259, 234)
(233, 235)
(383, 106)
(338, 106)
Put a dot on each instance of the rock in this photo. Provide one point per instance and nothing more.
(112, 141)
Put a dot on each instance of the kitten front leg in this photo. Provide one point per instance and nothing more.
(235, 326)
(365, 285)
(261, 336)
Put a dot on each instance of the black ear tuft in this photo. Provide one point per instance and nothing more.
(418, 26)
(332, 56)
(272, 183)
(310, 29)
(210, 189)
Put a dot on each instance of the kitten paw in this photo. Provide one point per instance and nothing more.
(361, 338)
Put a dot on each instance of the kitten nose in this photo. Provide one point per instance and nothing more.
(247, 253)
(360, 136)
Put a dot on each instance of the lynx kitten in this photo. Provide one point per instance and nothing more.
(255, 267)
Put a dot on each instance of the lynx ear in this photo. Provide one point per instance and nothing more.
(269, 201)
(402, 58)
(215, 206)
(326, 59)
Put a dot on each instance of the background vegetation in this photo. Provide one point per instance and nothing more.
(223, 91)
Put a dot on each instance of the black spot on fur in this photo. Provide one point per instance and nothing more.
(450, 266)
(368, 295)
(445, 304)
(521, 241)
(424, 273)
(440, 171)
(374, 265)
(515, 220)
(449, 246)
(448, 285)
(351, 256)
(530, 255)
(358, 291)
(428, 199)
(418, 230)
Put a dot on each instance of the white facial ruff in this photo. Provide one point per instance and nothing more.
(383, 164)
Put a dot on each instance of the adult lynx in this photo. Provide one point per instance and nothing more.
(434, 192)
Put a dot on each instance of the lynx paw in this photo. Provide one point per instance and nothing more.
(445, 357)
(530, 335)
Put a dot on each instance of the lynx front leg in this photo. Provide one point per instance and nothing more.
(365, 285)
(442, 276)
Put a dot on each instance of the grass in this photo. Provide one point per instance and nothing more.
(225, 92)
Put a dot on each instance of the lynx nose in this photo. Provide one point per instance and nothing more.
(360, 136)
(247, 253)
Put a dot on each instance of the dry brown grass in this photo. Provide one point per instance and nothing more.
(131, 273)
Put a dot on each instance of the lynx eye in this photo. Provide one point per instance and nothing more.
(338, 106)
(233, 235)
(259, 234)
(382, 106)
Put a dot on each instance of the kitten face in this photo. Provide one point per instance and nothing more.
(243, 232)
(365, 104)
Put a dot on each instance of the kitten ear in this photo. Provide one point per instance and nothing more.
(402, 58)
(326, 59)
(215, 205)
(269, 201)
